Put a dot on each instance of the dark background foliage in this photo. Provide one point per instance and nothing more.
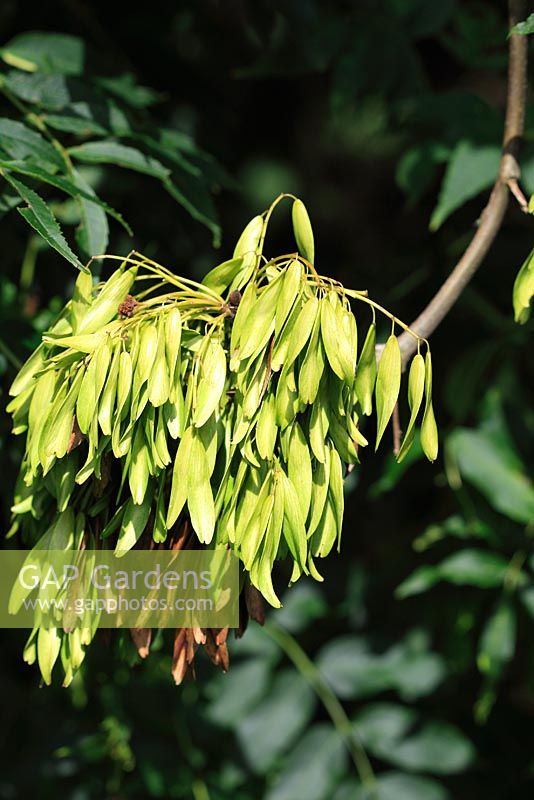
(369, 111)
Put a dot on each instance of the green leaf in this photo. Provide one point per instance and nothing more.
(527, 598)
(468, 567)
(243, 688)
(181, 148)
(40, 217)
(417, 168)
(272, 727)
(110, 152)
(421, 579)
(398, 786)
(417, 671)
(78, 123)
(47, 52)
(66, 185)
(193, 175)
(486, 462)
(48, 91)
(167, 149)
(382, 725)
(194, 196)
(524, 28)
(93, 233)
(125, 88)
(498, 639)
(257, 644)
(8, 202)
(353, 670)
(188, 190)
(23, 143)
(438, 747)
(303, 605)
(393, 472)
(454, 526)
(474, 568)
(471, 169)
(87, 112)
(313, 767)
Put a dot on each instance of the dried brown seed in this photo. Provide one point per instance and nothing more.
(128, 306)
(233, 302)
(255, 604)
(179, 660)
(141, 637)
(76, 436)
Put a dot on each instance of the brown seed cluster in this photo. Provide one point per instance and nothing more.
(128, 306)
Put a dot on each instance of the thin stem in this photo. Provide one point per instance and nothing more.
(161, 272)
(341, 722)
(517, 192)
(492, 217)
(173, 278)
(200, 790)
(27, 270)
(10, 355)
(512, 576)
(408, 331)
(155, 288)
(268, 214)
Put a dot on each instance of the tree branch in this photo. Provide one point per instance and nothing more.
(493, 214)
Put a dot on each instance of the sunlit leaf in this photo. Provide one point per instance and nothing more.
(76, 188)
(465, 568)
(524, 28)
(47, 52)
(109, 152)
(486, 463)
(471, 169)
(40, 217)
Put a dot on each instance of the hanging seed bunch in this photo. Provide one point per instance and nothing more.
(231, 410)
